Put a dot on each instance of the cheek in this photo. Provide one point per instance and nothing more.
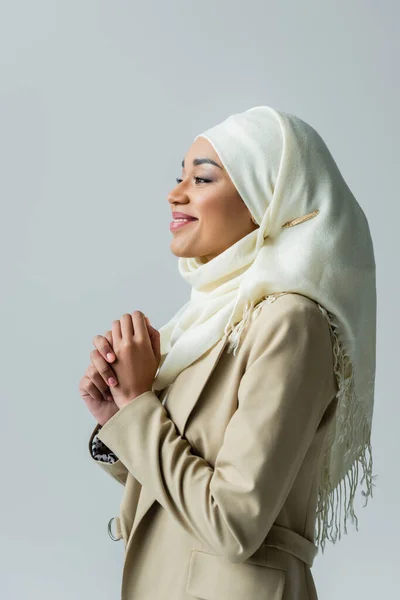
(214, 208)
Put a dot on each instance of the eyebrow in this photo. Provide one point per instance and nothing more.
(201, 161)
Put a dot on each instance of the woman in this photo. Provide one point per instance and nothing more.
(266, 374)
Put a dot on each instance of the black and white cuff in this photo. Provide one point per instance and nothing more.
(101, 452)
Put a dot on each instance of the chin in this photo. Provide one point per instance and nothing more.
(182, 252)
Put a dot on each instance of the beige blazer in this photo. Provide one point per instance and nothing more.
(220, 483)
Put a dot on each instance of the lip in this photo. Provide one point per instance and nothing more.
(181, 215)
(177, 225)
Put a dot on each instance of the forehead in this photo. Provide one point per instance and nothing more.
(201, 148)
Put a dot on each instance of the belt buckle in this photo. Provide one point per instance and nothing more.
(110, 533)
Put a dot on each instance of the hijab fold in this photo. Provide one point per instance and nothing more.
(313, 239)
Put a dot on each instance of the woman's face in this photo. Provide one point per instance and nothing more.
(206, 192)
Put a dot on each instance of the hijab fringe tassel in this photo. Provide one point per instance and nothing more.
(335, 502)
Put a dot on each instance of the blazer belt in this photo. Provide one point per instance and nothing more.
(292, 542)
(278, 537)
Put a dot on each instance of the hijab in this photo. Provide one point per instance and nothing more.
(313, 239)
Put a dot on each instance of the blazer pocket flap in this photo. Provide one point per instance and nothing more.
(213, 577)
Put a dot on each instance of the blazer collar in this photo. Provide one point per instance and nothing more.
(192, 379)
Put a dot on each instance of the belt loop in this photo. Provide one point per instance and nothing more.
(118, 529)
(292, 542)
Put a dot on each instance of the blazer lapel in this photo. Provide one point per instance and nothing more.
(190, 382)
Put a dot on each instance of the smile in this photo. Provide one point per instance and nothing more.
(178, 223)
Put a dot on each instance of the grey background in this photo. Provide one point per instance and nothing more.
(99, 102)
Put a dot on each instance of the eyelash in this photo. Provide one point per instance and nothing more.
(202, 179)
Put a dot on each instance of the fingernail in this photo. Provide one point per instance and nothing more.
(110, 356)
(112, 381)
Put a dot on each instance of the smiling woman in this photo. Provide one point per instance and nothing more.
(206, 192)
(242, 451)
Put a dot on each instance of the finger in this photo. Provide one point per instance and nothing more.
(96, 387)
(116, 331)
(140, 326)
(89, 391)
(156, 343)
(103, 368)
(104, 346)
(154, 337)
(126, 327)
(108, 336)
(98, 382)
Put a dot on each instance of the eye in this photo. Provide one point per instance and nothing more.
(196, 178)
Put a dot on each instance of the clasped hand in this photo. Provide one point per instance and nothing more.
(133, 347)
(136, 363)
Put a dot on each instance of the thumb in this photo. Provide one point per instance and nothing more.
(154, 336)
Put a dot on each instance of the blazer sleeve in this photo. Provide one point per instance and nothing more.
(112, 465)
(283, 393)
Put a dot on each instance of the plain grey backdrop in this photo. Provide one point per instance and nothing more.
(99, 102)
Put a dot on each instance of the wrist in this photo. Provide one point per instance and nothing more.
(135, 394)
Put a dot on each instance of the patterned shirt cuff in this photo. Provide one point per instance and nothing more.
(101, 452)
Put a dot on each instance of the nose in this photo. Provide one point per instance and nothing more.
(176, 197)
(173, 195)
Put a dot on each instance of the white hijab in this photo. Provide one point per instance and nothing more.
(283, 170)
